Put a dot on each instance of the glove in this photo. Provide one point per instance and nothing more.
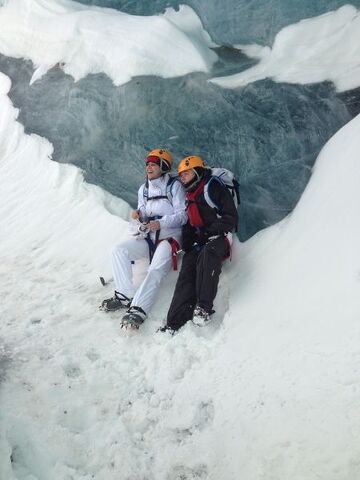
(202, 238)
(187, 245)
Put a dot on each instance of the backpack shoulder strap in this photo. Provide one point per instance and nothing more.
(146, 193)
(146, 190)
(169, 187)
(207, 197)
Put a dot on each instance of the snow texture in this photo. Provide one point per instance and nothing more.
(235, 21)
(269, 391)
(84, 40)
(322, 48)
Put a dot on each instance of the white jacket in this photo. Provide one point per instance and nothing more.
(173, 213)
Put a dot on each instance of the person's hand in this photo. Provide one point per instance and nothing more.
(202, 238)
(187, 245)
(154, 225)
(135, 214)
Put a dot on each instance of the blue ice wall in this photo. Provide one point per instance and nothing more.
(236, 21)
(268, 133)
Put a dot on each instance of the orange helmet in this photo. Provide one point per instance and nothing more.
(164, 158)
(188, 163)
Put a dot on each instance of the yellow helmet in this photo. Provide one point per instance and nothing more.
(164, 157)
(188, 163)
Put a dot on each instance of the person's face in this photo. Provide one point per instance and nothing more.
(187, 176)
(153, 170)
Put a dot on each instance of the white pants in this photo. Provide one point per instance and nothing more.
(134, 249)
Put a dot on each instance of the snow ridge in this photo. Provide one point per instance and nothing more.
(317, 49)
(270, 390)
(84, 39)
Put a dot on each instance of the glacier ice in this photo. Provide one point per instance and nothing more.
(240, 21)
(86, 40)
(268, 133)
(313, 50)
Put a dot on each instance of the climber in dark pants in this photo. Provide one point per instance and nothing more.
(207, 242)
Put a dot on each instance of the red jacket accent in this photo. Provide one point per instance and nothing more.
(195, 219)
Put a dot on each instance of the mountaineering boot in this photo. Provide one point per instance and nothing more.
(115, 303)
(133, 318)
(201, 317)
(166, 329)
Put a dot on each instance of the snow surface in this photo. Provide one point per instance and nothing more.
(317, 49)
(270, 390)
(85, 39)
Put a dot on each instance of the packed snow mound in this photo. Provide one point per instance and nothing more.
(317, 49)
(269, 390)
(47, 203)
(84, 39)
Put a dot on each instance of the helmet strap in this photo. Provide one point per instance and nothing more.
(164, 166)
(193, 182)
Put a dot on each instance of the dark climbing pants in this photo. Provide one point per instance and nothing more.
(198, 282)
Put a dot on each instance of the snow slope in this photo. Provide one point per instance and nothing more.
(317, 49)
(85, 39)
(269, 391)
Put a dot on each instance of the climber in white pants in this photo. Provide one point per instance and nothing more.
(158, 220)
(160, 265)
